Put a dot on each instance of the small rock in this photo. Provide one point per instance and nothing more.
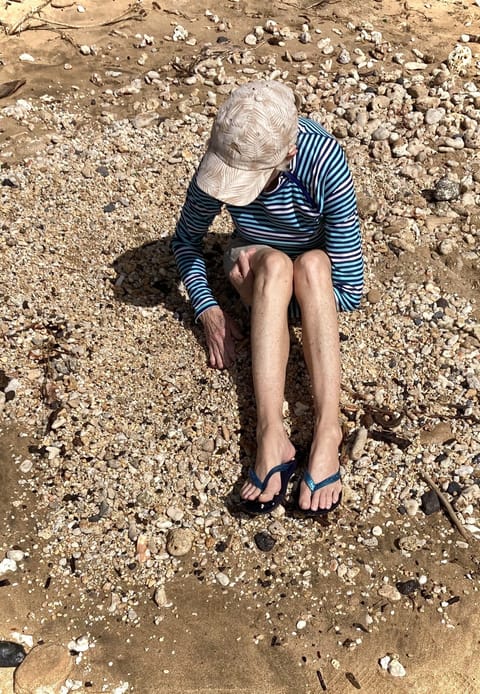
(7, 565)
(11, 654)
(374, 296)
(16, 555)
(44, 670)
(264, 541)
(222, 579)
(446, 189)
(454, 488)
(174, 513)
(384, 662)
(389, 592)
(430, 502)
(407, 587)
(359, 444)
(396, 669)
(145, 120)
(85, 50)
(377, 531)
(411, 507)
(179, 542)
(250, 40)
(447, 246)
(301, 624)
(26, 58)
(79, 645)
(439, 434)
(410, 543)
(160, 597)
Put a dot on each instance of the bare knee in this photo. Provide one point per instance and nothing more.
(272, 264)
(312, 269)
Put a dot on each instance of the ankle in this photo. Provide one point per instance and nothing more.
(325, 431)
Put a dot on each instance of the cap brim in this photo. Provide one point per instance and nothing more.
(230, 185)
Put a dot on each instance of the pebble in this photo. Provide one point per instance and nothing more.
(27, 465)
(301, 624)
(359, 443)
(11, 654)
(446, 189)
(16, 555)
(179, 542)
(160, 597)
(407, 587)
(222, 578)
(396, 669)
(26, 58)
(7, 565)
(411, 507)
(389, 592)
(430, 502)
(374, 296)
(264, 541)
(79, 645)
(410, 543)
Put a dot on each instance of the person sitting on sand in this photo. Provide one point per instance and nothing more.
(295, 251)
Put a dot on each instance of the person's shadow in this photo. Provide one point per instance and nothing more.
(147, 276)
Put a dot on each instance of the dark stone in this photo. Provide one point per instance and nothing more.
(221, 546)
(9, 183)
(110, 207)
(264, 541)
(442, 303)
(4, 380)
(446, 189)
(9, 395)
(430, 502)
(454, 488)
(407, 587)
(223, 39)
(11, 654)
(103, 171)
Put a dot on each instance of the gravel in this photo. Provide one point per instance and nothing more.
(134, 436)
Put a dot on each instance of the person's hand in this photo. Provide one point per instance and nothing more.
(221, 331)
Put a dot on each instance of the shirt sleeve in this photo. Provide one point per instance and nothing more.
(196, 217)
(342, 228)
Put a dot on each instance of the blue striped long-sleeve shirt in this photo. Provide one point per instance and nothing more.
(321, 215)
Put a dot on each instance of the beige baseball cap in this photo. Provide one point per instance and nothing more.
(251, 137)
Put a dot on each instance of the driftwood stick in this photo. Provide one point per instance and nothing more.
(447, 505)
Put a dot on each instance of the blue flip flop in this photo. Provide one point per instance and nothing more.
(314, 487)
(255, 507)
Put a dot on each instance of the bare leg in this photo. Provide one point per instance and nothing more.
(314, 291)
(264, 279)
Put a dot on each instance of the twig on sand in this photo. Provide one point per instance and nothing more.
(447, 505)
(134, 12)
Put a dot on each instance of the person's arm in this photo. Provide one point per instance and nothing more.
(196, 217)
(342, 229)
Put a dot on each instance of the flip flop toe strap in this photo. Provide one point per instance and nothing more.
(314, 487)
(255, 479)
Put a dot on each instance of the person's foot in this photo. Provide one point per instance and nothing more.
(323, 463)
(273, 448)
